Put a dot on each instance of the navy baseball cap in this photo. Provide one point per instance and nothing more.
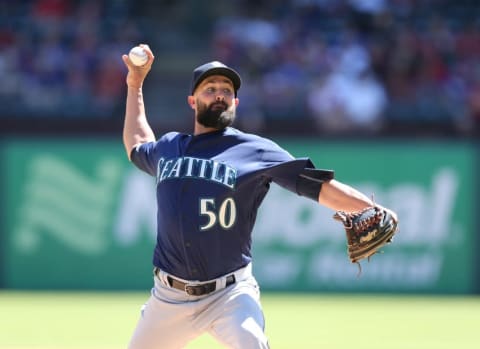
(215, 68)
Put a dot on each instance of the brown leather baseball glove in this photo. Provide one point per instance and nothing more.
(367, 230)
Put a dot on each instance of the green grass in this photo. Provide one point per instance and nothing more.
(106, 321)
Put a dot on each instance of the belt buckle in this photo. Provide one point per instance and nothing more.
(197, 289)
(200, 289)
(190, 289)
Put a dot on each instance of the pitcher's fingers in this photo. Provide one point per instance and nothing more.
(147, 50)
(126, 60)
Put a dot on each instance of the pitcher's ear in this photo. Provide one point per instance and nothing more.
(191, 101)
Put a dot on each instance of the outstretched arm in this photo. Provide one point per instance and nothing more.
(342, 197)
(136, 129)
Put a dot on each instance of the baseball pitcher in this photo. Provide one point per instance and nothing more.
(209, 186)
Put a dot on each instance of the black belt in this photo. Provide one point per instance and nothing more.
(200, 289)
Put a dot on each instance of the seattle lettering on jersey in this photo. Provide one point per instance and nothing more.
(190, 167)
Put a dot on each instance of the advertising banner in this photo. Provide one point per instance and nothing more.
(78, 215)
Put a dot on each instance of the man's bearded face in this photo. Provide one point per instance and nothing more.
(216, 115)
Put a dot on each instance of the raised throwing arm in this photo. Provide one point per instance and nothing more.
(136, 129)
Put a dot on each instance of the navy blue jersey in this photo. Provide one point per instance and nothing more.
(209, 188)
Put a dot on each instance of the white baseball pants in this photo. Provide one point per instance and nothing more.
(233, 315)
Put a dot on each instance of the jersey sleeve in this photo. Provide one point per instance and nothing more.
(286, 174)
(296, 175)
(143, 157)
(282, 168)
(146, 155)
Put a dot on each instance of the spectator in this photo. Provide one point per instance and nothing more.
(350, 98)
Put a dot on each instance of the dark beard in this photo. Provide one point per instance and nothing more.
(218, 118)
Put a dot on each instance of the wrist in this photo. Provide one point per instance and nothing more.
(134, 86)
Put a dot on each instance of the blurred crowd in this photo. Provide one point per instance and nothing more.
(60, 58)
(357, 65)
(330, 66)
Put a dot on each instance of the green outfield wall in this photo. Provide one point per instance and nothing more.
(77, 215)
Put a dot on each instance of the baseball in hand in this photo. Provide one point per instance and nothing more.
(138, 56)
